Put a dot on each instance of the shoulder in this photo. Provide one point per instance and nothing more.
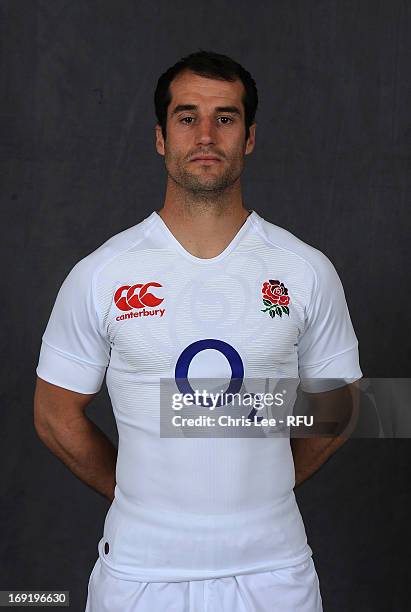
(87, 268)
(314, 262)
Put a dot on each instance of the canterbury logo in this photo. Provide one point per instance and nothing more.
(128, 297)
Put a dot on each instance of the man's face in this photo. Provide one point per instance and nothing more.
(214, 125)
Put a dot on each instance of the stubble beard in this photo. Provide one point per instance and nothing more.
(204, 185)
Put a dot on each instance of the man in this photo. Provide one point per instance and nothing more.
(203, 287)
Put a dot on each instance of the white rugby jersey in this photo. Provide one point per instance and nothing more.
(140, 307)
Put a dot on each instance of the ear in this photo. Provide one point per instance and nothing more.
(159, 140)
(251, 139)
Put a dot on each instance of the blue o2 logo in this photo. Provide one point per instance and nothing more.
(229, 352)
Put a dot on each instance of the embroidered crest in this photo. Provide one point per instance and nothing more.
(276, 298)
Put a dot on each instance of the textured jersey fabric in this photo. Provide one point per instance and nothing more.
(138, 307)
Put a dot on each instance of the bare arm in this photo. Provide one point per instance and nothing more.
(338, 406)
(61, 423)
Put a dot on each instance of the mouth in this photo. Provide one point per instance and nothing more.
(205, 160)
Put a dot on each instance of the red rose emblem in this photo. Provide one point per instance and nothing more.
(276, 298)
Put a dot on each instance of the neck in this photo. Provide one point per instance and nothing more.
(204, 223)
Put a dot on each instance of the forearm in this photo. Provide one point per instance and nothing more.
(85, 450)
(337, 408)
(310, 454)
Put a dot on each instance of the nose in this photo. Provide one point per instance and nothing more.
(205, 133)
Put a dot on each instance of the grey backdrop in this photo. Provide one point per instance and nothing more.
(331, 164)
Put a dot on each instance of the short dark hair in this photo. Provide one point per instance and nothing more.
(211, 65)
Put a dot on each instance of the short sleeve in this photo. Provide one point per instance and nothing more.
(327, 347)
(74, 352)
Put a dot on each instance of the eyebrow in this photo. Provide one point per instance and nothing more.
(218, 109)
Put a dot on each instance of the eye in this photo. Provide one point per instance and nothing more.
(230, 120)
